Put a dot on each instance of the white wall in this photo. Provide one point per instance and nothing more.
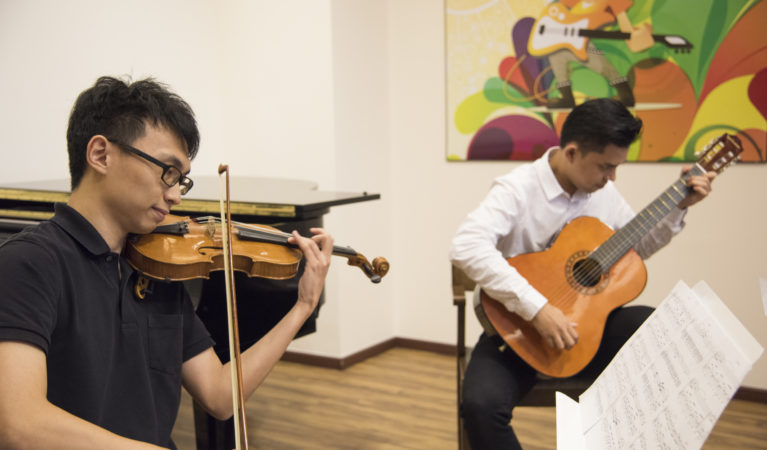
(350, 94)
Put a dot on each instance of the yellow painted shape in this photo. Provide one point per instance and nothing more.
(728, 104)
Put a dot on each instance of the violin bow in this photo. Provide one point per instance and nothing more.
(238, 400)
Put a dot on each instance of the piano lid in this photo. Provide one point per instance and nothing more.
(250, 196)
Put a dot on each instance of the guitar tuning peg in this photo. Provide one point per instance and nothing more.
(703, 150)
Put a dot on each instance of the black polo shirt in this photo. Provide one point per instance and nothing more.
(113, 359)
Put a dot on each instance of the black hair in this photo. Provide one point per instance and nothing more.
(596, 123)
(120, 110)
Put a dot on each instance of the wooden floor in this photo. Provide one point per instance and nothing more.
(404, 399)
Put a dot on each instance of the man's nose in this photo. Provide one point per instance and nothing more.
(173, 194)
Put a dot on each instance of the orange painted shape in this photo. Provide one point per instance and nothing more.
(664, 130)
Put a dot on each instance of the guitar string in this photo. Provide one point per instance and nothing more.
(636, 229)
(726, 151)
(616, 246)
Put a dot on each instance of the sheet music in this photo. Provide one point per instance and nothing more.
(672, 379)
(569, 436)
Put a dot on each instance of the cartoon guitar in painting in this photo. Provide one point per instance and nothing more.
(563, 34)
(560, 28)
(588, 272)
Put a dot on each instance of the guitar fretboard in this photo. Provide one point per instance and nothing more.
(629, 235)
(670, 40)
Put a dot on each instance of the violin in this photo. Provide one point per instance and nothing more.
(184, 248)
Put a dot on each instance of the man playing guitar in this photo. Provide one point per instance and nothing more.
(524, 212)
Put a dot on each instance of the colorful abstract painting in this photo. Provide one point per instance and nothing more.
(703, 73)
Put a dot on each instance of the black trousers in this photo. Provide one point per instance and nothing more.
(496, 381)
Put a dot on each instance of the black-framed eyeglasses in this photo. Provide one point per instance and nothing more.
(170, 174)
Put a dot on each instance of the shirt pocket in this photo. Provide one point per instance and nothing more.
(166, 342)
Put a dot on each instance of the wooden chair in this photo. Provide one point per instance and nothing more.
(542, 393)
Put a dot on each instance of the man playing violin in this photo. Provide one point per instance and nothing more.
(85, 363)
(523, 213)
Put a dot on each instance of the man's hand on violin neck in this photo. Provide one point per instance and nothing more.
(318, 251)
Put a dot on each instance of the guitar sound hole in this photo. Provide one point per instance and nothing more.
(587, 272)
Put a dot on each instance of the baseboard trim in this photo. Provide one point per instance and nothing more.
(743, 393)
(339, 363)
(751, 394)
(343, 363)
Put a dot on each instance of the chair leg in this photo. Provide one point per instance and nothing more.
(463, 439)
(463, 442)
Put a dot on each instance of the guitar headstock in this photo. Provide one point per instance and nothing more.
(720, 153)
(673, 41)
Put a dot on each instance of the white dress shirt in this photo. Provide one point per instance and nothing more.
(523, 212)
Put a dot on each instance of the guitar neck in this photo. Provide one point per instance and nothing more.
(669, 40)
(629, 235)
(602, 34)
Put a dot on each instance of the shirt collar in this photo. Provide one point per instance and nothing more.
(549, 183)
(551, 187)
(80, 229)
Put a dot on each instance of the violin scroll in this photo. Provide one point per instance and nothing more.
(375, 271)
(381, 266)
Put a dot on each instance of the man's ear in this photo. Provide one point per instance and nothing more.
(570, 150)
(98, 154)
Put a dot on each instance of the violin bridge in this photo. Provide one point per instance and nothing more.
(210, 229)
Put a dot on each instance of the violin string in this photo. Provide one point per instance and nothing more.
(241, 225)
(268, 234)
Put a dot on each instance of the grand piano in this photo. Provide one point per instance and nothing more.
(280, 203)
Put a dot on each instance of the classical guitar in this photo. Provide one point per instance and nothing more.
(559, 28)
(589, 271)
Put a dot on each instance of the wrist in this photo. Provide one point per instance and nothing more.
(304, 308)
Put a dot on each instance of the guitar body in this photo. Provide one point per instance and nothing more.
(587, 302)
(556, 29)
